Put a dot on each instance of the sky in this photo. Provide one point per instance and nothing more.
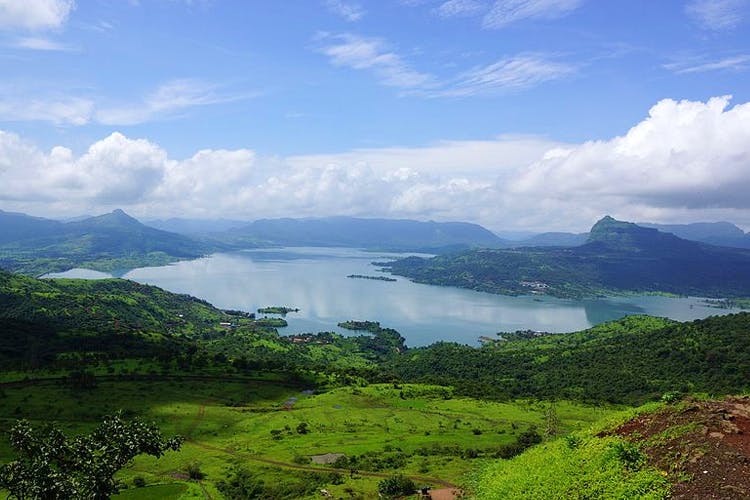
(515, 114)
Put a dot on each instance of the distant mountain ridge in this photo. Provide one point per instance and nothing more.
(723, 234)
(617, 257)
(383, 234)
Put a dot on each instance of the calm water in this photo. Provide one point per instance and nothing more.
(314, 280)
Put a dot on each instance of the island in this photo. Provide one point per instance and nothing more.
(376, 278)
(283, 310)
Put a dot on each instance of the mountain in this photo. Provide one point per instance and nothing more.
(383, 234)
(617, 257)
(15, 226)
(552, 239)
(716, 233)
(195, 227)
(107, 242)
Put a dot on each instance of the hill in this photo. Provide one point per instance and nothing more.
(691, 449)
(382, 234)
(715, 233)
(617, 257)
(108, 242)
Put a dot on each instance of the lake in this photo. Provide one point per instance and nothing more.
(315, 281)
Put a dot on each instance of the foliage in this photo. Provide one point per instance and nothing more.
(577, 468)
(631, 360)
(50, 465)
(395, 486)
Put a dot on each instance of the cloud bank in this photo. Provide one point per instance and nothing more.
(686, 160)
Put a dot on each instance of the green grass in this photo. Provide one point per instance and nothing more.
(581, 465)
(229, 423)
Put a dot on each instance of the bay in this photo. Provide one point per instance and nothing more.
(315, 281)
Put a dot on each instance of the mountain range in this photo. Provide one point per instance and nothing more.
(715, 233)
(617, 257)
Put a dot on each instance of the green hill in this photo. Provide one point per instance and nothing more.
(631, 360)
(618, 257)
(108, 242)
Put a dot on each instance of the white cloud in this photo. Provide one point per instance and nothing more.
(685, 161)
(717, 15)
(349, 11)
(506, 12)
(733, 63)
(166, 102)
(169, 98)
(58, 110)
(459, 8)
(38, 43)
(685, 155)
(515, 73)
(372, 54)
(34, 14)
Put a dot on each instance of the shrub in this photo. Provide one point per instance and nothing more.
(394, 486)
(194, 471)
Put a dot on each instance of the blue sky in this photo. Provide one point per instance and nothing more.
(368, 95)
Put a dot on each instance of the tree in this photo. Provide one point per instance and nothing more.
(51, 466)
(396, 486)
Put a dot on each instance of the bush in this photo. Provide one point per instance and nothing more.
(394, 486)
(194, 471)
(139, 481)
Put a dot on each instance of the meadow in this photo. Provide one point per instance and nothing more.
(265, 431)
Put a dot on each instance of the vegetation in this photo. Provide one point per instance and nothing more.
(49, 465)
(618, 257)
(256, 408)
(283, 310)
(111, 243)
(376, 278)
(632, 360)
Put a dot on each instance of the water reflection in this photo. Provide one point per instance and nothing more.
(314, 280)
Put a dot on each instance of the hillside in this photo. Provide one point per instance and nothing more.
(383, 234)
(108, 242)
(631, 360)
(617, 257)
(692, 449)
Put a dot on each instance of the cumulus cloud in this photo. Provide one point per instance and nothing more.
(684, 155)
(685, 161)
(34, 14)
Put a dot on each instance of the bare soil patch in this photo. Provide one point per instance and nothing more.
(703, 446)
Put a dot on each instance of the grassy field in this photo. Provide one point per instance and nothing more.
(421, 430)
